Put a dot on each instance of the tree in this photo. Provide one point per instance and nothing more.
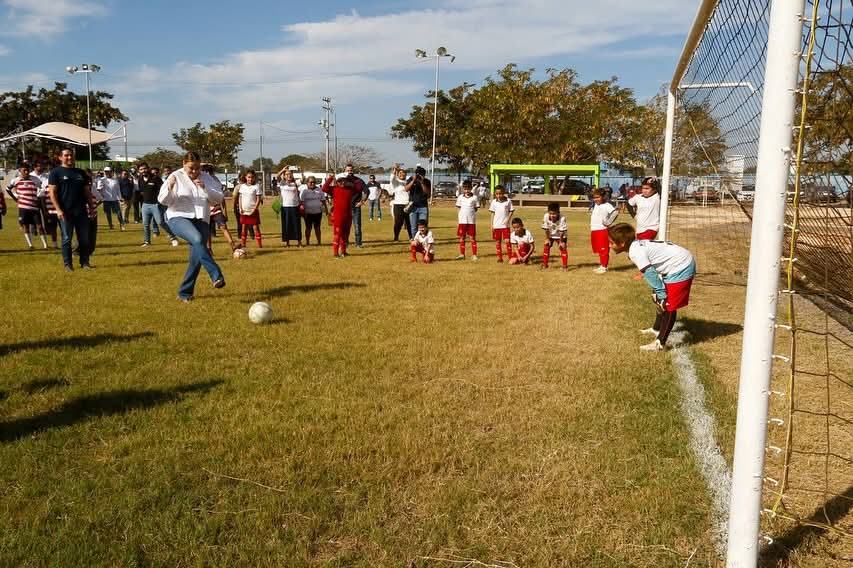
(22, 110)
(362, 158)
(161, 158)
(829, 114)
(305, 163)
(218, 144)
(268, 165)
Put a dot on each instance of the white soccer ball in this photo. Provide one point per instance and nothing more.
(260, 312)
(239, 253)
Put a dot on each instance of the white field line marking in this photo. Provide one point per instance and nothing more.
(703, 442)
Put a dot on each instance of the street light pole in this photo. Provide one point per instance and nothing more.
(87, 69)
(439, 53)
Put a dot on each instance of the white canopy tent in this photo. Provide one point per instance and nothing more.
(68, 133)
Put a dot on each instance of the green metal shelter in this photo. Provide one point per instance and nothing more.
(544, 170)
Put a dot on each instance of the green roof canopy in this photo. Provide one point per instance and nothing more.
(546, 171)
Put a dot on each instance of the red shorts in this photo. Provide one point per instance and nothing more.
(464, 229)
(599, 239)
(251, 219)
(523, 249)
(678, 294)
(500, 234)
(647, 235)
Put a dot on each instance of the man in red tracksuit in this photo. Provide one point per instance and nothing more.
(343, 191)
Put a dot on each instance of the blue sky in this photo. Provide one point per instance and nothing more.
(172, 64)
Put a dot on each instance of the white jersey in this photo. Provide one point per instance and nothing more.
(398, 190)
(427, 241)
(467, 209)
(502, 211)
(525, 239)
(289, 193)
(666, 258)
(648, 211)
(249, 196)
(555, 228)
(603, 216)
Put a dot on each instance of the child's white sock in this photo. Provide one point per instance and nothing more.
(43, 242)
(29, 239)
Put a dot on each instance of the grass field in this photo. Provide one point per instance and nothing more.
(392, 415)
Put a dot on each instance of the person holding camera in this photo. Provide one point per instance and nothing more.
(400, 201)
(419, 188)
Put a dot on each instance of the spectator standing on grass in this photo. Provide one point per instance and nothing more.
(24, 190)
(92, 211)
(358, 200)
(343, 192)
(249, 194)
(218, 216)
(167, 171)
(374, 197)
(291, 225)
(419, 188)
(603, 215)
(48, 214)
(187, 194)
(667, 268)
(399, 201)
(315, 205)
(111, 192)
(501, 209)
(149, 189)
(467, 203)
(70, 192)
(125, 189)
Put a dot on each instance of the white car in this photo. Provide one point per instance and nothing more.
(745, 195)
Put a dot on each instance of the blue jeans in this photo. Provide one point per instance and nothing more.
(111, 207)
(165, 224)
(375, 203)
(415, 215)
(356, 224)
(68, 225)
(196, 233)
(151, 212)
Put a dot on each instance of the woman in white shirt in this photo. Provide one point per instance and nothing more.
(188, 193)
(291, 226)
(314, 200)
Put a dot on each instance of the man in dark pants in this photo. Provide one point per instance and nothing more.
(70, 192)
(125, 186)
(358, 198)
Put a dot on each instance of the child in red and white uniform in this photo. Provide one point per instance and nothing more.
(501, 209)
(645, 207)
(342, 192)
(669, 270)
(218, 215)
(603, 215)
(24, 189)
(467, 203)
(522, 242)
(423, 243)
(250, 200)
(556, 231)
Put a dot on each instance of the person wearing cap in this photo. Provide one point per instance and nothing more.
(111, 193)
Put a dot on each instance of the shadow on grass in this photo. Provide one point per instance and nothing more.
(3, 395)
(152, 262)
(76, 341)
(778, 553)
(40, 385)
(283, 291)
(97, 405)
(703, 330)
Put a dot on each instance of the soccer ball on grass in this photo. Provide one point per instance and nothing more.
(260, 313)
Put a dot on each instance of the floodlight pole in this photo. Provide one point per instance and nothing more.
(768, 228)
(439, 53)
(87, 69)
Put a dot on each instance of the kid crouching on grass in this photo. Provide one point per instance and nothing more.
(467, 203)
(603, 215)
(668, 269)
(556, 230)
(522, 241)
(501, 208)
(423, 243)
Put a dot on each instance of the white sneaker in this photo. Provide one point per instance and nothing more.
(474, 258)
(653, 346)
(174, 242)
(460, 257)
(600, 270)
(650, 331)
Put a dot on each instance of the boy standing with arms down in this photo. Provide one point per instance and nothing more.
(603, 215)
(501, 209)
(667, 268)
(556, 231)
(467, 203)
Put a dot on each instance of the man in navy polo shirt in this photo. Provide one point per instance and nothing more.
(70, 192)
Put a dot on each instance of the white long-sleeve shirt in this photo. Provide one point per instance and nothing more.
(110, 189)
(187, 199)
(398, 190)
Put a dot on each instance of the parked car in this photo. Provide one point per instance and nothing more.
(706, 193)
(747, 193)
(572, 187)
(821, 194)
(444, 189)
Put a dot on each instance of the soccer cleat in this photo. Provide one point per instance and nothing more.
(220, 283)
(460, 257)
(649, 331)
(174, 242)
(600, 270)
(474, 258)
(653, 346)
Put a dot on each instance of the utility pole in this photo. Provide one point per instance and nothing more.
(325, 123)
(125, 146)
(261, 159)
(335, 126)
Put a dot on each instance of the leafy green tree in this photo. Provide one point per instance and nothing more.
(217, 144)
(22, 110)
(161, 158)
(829, 114)
(268, 165)
(306, 163)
